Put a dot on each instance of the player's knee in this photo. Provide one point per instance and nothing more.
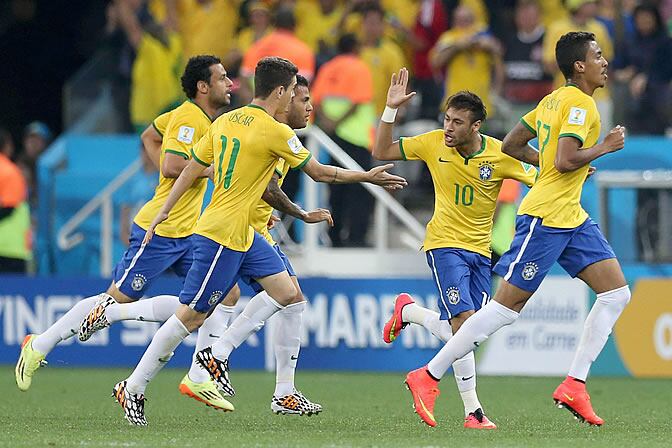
(286, 294)
(117, 295)
(191, 319)
(457, 320)
(298, 297)
(232, 297)
(617, 298)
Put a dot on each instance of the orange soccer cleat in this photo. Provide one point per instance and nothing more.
(572, 395)
(425, 391)
(394, 326)
(478, 420)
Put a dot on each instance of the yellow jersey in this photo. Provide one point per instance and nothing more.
(469, 69)
(180, 128)
(555, 197)
(208, 27)
(465, 189)
(262, 212)
(244, 146)
(383, 59)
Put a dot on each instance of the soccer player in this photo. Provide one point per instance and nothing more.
(244, 146)
(206, 84)
(551, 226)
(467, 169)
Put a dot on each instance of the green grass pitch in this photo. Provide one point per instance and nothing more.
(72, 407)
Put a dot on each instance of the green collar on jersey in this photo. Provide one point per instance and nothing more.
(206, 114)
(471, 156)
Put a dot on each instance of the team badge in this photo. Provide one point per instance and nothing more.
(453, 295)
(215, 297)
(138, 282)
(485, 170)
(529, 271)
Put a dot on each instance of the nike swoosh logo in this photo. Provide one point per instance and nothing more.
(443, 161)
(467, 378)
(213, 336)
(568, 397)
(293, 358)
(477, 344)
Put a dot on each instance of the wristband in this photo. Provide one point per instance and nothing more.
(389, 114)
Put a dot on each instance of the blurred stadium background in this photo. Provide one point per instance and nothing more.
(82, 77)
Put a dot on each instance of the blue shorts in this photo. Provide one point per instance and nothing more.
(143, 263)
(536, 247)
(216, 269)
(256, 287)
(463, 280)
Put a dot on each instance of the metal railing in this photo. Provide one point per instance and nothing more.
(317, 140)
(68, 239)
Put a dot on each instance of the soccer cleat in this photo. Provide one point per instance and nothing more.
(294, 403)
(29, 361)
(478, 420)
(132, 404)
(96, 319)
(206, 393)
(218, 370)
(572, 395)
(425, 391)
(394, 326)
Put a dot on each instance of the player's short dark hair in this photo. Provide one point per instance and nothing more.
(465, 100)
(284, 19)
(271, 73)
(301, 81)
(347, 43)
(572, 47)
(197, 69)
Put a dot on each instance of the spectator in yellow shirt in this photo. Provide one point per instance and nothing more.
(471, 58)
(260, 26)
(381, 54)
(581, 17)
(317, 24)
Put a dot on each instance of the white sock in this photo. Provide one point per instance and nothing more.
(65, 327)
(259, 308)
(464, 368)
(431, 320)
(465, 377)
(209, 333)
(475, 330)
(286, 345)
(154, 309)
(597, 328)
(159, 352)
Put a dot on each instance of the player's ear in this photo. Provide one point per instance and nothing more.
(280, 91)
(476, 125)
(579, 66)
(202, 86)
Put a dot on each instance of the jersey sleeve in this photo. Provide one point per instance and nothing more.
(578, 118)
(180, 138)
(203, 152)
(280, 168)
(520, 171)
(286, 145)
(160, 123)
(414, 148)
(528, 120)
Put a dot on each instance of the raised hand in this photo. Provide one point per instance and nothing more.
(150, 230)
(319, 215)
(379, 176)
(396, 95)
(615, 139)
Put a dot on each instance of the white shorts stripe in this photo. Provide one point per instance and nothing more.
(438, 284)
(522, 249)
(207, 277)
(130, 266)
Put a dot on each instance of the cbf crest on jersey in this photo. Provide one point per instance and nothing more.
(485, 170)
(529, 271)
(453, 295)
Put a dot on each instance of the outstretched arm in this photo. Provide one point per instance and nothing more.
(336, 175)
(189, 174)
(276, 198)
(384, 148)
(515, 144)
